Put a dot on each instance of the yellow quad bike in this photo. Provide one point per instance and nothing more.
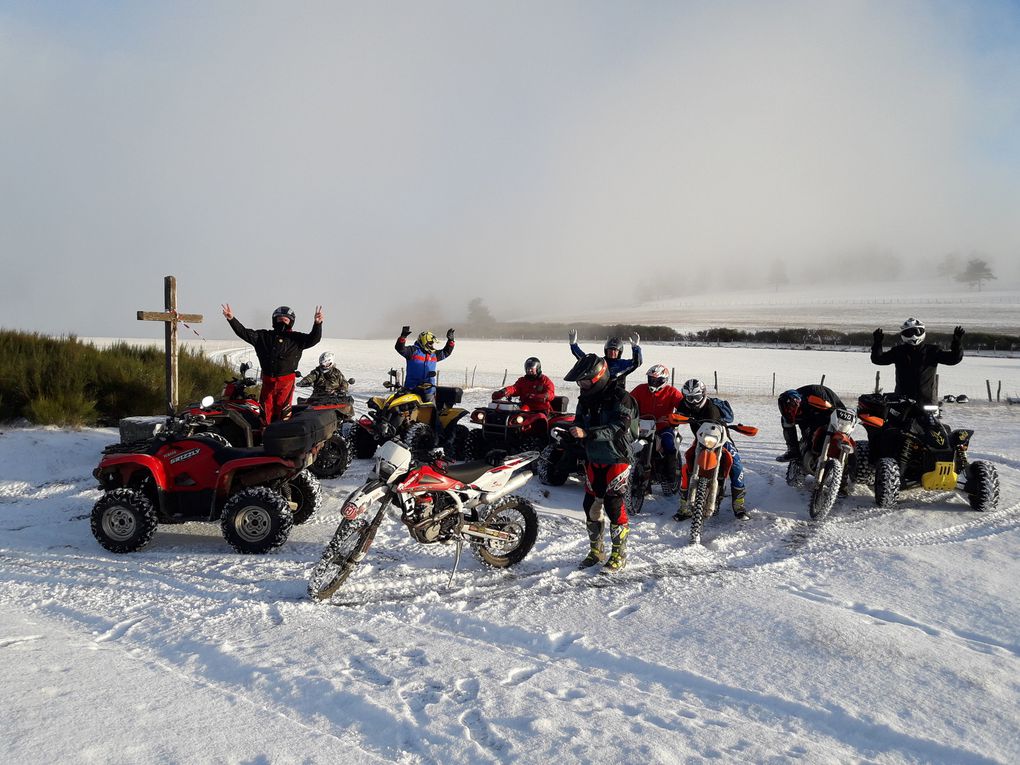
(420, 424)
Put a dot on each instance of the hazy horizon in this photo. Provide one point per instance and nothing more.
(393, 162)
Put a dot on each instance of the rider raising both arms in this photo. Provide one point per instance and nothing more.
(613, 350)
(422, 358)
(916, 360)
(279, 352)
(535, 390)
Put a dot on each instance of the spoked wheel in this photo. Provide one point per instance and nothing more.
(823, 496)
(515, 517)
(639, 486)
(345, 550)
(795, 475)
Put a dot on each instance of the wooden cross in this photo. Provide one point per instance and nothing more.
(170, 317)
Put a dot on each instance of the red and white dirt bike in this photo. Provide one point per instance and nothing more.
(463, 502)
(829, 452)
(709, 468)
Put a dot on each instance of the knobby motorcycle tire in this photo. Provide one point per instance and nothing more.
(344, 552)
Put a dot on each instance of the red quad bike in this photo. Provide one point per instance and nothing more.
(236, 419)
(708, 464)
(255, 494)
(438, 503)
(510, 425)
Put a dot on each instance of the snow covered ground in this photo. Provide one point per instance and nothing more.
(878, 635)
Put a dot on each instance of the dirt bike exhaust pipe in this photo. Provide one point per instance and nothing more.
(511, 486)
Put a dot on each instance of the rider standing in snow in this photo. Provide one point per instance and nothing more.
(535, 390)
(916, 361)
(326, 380)
(619, 367)
(605, 422)
(796, 411)
(657, 399)
(422, 358)
(278, 351)
(699, 407)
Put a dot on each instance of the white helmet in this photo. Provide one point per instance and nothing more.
(326, 359)
(912, 331)
(695, 392)
(658, 376)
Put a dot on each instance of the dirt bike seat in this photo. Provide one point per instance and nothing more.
(468, 472)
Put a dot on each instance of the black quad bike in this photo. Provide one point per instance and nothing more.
(909, 447)
(511, 426)
(336, 454)
(255, 494)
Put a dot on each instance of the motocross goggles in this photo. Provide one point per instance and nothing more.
(912, 332)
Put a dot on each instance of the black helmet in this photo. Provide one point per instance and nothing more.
(284, 310)
(613, 344)
(590, 373)
(533, 367)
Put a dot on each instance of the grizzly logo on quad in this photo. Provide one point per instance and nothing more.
(184, 456)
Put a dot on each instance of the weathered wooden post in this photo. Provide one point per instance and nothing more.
(823, 380)
(715, 375)
(773, 384)
(998, 392)
(878, 387)
(988, 383)
(170, 318)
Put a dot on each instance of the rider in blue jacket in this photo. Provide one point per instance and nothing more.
(422, 358)
(619, 367)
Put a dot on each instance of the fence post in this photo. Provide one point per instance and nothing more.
(715, 375)
(998, 392)
(877, 386)
(823, 380)
(773, 384)
(672, 376)
(465, 377)
(473, 375)
(504, 379)
(989, 384)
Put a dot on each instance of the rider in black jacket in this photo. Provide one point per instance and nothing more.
(916, 361)
(797, 410)
(279, 352)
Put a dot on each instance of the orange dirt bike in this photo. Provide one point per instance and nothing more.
(829, 453)
(708, 465)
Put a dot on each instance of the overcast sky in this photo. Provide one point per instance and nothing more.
(372, 156)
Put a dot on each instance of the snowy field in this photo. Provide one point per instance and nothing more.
(888, 636)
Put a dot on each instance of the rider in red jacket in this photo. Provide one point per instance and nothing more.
(535, 390)
(657, 398)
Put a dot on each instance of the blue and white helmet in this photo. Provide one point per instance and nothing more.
(695, 392)
(912, 331)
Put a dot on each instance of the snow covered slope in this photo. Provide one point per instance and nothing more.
(880, 635)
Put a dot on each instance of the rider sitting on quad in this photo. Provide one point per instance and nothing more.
(796, 410)
(657, 399)
(279, 351)
(613, 350)
(916, 361)
(326, 379)
(699, 407)
(534, 389)
(422, 358)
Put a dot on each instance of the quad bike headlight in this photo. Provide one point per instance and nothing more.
(518, 419)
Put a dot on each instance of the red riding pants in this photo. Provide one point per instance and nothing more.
(275, 399)
(610, 484)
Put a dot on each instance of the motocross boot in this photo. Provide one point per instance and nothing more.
(684, 511)
(792, 444)
(618, 558)
(739, 512)
(597, 553)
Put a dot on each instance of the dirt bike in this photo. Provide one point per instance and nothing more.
(406, 415)
(508, 424)
(438, 503)
(909, 447)
(562, 458)
(177, 476)
(828, 457)
(650, 465)
(709, 466)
